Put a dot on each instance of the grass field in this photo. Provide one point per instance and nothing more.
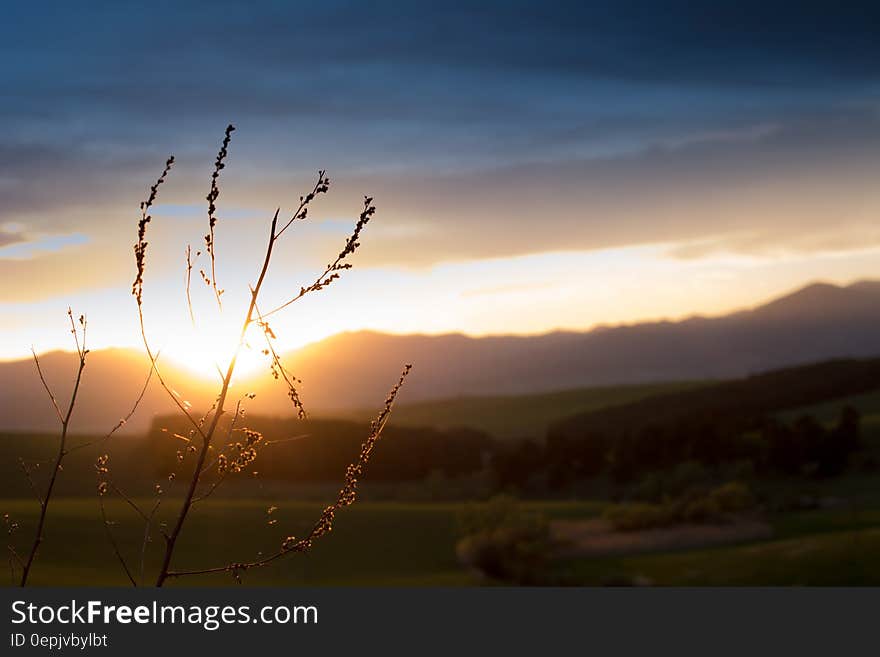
(521, 416)
(371, 544)
(413, 543)
(400, 544)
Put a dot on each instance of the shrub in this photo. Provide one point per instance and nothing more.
(733, 497)
(503, 542)
(694, 507)
(682, 479)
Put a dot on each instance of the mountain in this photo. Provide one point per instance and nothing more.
(354, 370)
(112, 381)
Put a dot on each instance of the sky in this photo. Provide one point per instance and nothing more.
(535, 166)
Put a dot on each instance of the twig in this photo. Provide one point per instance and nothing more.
(346, 497)
(113, 543)
(207, 433)
(206, 442)
(137, 288)
(46, 386)
(65, 424)
(213, 194)
(189, 269)
(31, 482)
(279, 369)
(331, 273)
(146, 540)
(123, 420)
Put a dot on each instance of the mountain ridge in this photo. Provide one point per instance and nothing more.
(353, 370)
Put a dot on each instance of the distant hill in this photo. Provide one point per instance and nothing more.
(742, 400)
(112, 380)
(815, 323)
(354, 370)
(729, 422)
(520, 416)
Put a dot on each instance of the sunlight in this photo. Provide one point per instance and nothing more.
(206, 350)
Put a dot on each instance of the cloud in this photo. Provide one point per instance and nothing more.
(483, 130)
(23, 249)
(807, 185)
(8, 236)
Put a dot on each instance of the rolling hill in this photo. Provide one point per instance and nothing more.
(354, 370)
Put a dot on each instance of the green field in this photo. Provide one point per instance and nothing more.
(407, 542)
(521, 416)
(371, 544)
(400, 544)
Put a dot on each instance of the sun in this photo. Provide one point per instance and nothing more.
(206, 350)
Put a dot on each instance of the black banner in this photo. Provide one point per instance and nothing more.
(430, 621)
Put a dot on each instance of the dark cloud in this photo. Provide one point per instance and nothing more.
(484, 128)
(8, 237)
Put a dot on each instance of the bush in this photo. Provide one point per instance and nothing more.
(682, 479)
(503, 542)
(733, 497)
(692, 507)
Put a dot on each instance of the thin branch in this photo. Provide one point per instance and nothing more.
(146, 540)
(206, 443)
(112, 540)
(13, 558)
(31, 482)
(228, 441)
(189, 268)
(332, 272)
(65, 424)
(216, 483)
(279, 369)
(17, 557)
(46, 386)
(347, 496)
(213, 194)
(137, 288)
(123, 420)
(301, 212)
(171, 393)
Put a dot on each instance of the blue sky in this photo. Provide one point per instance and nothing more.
(493, 136)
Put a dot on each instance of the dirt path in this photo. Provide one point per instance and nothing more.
(597, 537)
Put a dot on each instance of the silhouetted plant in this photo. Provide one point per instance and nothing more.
(64, 417)
(204, 432)
(28, 469)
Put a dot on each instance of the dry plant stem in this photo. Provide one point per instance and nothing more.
(30, 480)
(62, 444)
(229, 432)
(147, 525)
(332, 270)
(137, 288)
(154, 367)
(324, 525)
(292, 392)
(147, 518)
(189, 268)
(113, 542)
(332, 273)
(213, 194)
(122, 420)
(13, 559)
(221, 400)
(207, 467)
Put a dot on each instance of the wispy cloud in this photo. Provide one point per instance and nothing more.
(24, 248)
